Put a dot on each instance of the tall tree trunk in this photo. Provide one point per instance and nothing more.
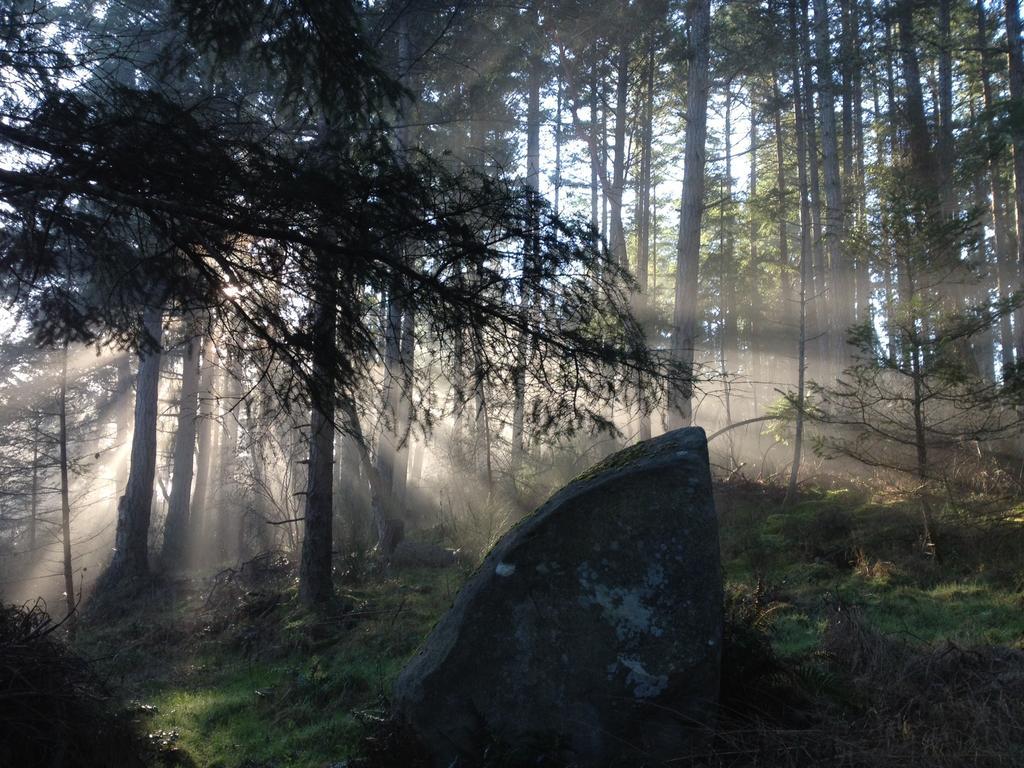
(557, 192)
(945, 142)
(259, 427)
(316, 581)
(65, 492)
(131, 557)
(176, 524)
(785, 279)
(982, 343)
(392, 457)
(643, 237)
(34, 493)
(846, 67)
(919, 142)
(404, 417)
(756, 316)
(1016, 67)
(806, 231)
(821, 283)
(594, 147)
(122, 424)
(206, 426)
(841, 299)
(922, 163)
(856, 203)
(228, 517)
(530, 256)
(727, 289)
(691, 209)
(387, 443)
(617, 188)
(1005, 237)
(481, 447)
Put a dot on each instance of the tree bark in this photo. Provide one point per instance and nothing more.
(316, 581)
(65, 493)
(806, 229)
(643, 237)
(176, 525)
(530, 257)
(616, 190)
(131, 557)
(691, 210)
(842, 298)
(1005, 237)
(228, 513)
(727, 275)
(821, 284)
(1016, 67)
(205, 447)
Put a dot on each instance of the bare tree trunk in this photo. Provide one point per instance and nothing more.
(643, 238)
(615, 192)
(177, 522)
(842, 297)
(259, 427)
(945, 142)
(785, 279)
(33, 519)
(1005, 239)
(65, 493)
(131, 556)
(205, 447)
(122, 424)
(857, 206)
(755, 318)
(806, 228)
(556, 205)
(595, 156)
(530, 256)
(822, 290)
(316, 581)
(228, 517)
(1016, 66)
(404, 417)
(685, 313)
(387, 444)
(399, 341)
(727, 289)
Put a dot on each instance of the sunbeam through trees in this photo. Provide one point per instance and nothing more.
(308, 307)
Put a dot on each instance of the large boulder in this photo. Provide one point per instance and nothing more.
(591, 634)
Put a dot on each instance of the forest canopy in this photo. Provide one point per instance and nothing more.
(310, 308)
(259, 260)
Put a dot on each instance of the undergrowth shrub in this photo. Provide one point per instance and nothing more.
(54, 711)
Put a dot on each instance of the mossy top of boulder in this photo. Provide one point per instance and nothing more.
(664, 444)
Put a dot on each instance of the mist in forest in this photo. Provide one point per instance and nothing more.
(793, 227)
(338, 286)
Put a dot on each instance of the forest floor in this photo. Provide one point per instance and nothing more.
(834, 606)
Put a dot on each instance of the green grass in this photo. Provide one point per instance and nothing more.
(299, 698)
(232, 686)
(841, 546)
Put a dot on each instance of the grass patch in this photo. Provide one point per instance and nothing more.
(259, 681)
(235, 674)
